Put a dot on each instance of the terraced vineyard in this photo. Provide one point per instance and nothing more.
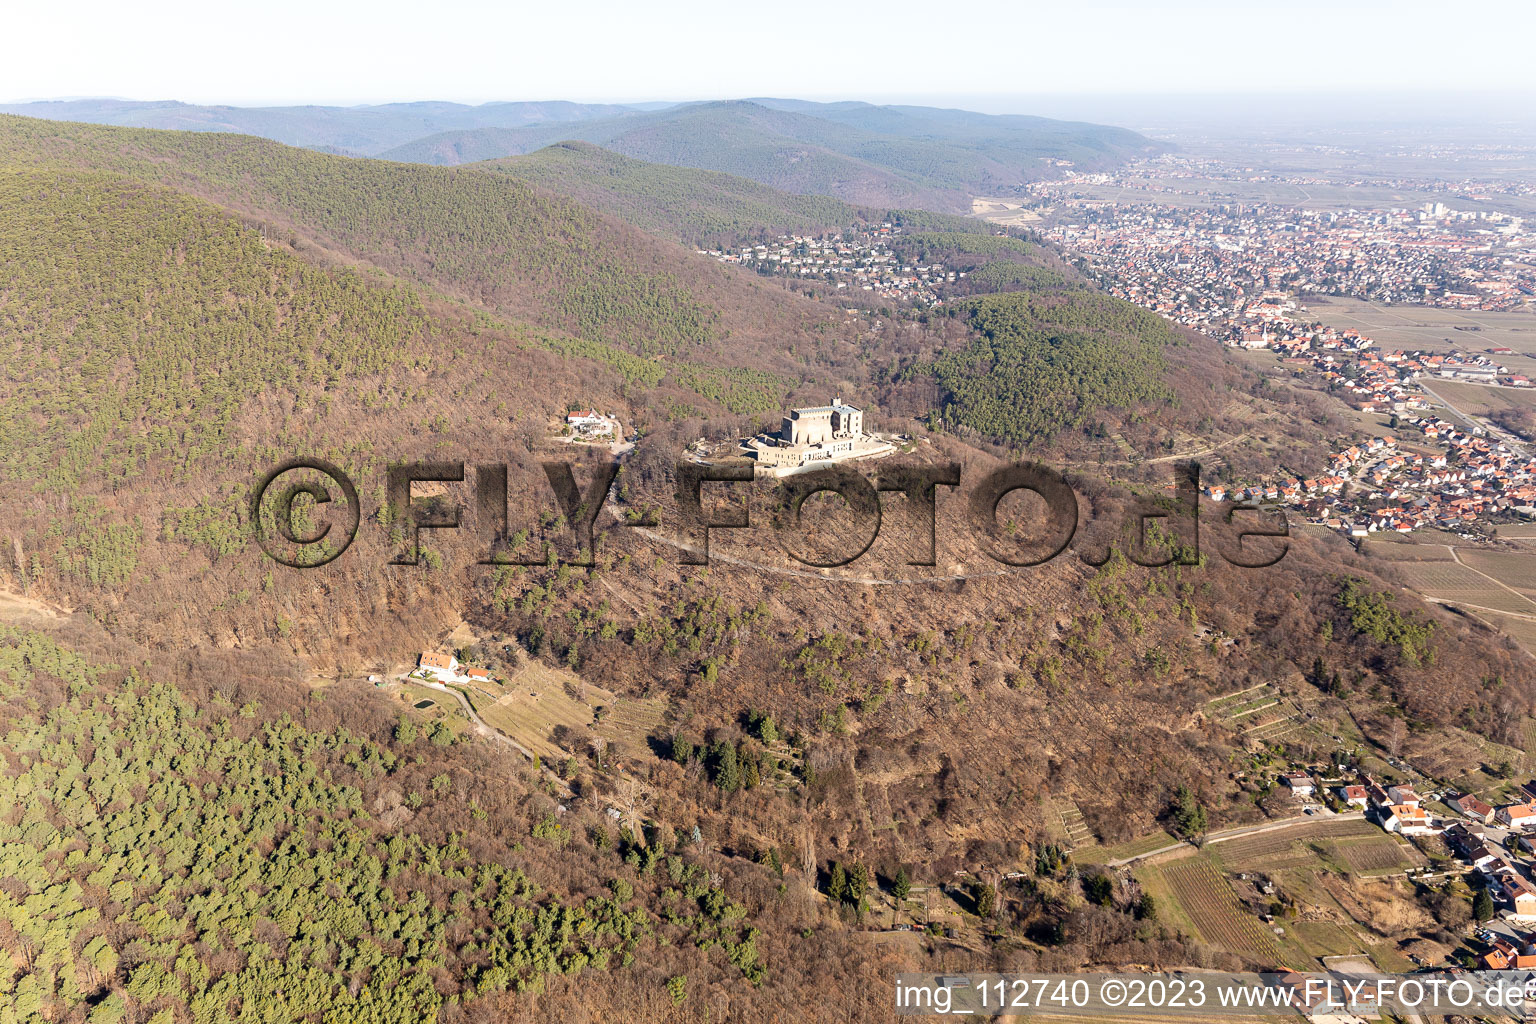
(1233, 707)
(1459, 755)
(1074, 829)
(628, 721)
(1261, 712)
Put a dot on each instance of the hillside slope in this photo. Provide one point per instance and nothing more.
(488, 240)
(692, 205)
(700, 207)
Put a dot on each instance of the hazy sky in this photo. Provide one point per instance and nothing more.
(287, 51)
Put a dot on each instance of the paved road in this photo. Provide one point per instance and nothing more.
(1237, 833)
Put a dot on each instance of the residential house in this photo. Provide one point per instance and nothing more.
(1472, 807)
(1519, 893)
(1405, 819)
(1300, 783)
(1517, 815)
(1504, 955)
(438, 666)
(1354, 796)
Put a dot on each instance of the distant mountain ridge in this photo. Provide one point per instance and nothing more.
(861, 153)
(360, 131)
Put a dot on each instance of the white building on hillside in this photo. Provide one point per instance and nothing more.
(444, 668)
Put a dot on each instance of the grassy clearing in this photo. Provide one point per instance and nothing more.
(1325, 938)
(536, 700)
(1121, 851)
(444, 708)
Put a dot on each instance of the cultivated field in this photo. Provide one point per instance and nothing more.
(1374, 855)
(1435, 330)
(1312, 196)
(1265, 850)
(1212, 907)
(1516, 569)
(1401, 549)
(1464, 585)
(1486, 399)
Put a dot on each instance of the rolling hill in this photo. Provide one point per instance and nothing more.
(485, 239)
(903, 156)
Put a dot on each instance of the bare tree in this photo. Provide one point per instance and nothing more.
(21, 567)
(1396, 733)
(629, 796)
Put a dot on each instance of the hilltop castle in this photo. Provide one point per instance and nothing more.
(814, 437)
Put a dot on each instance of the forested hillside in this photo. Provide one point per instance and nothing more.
(209, 810)
(1001, 136)
(877, 155)
(486, 239)
(1044, 364)
(168, 857)
(717, 209)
